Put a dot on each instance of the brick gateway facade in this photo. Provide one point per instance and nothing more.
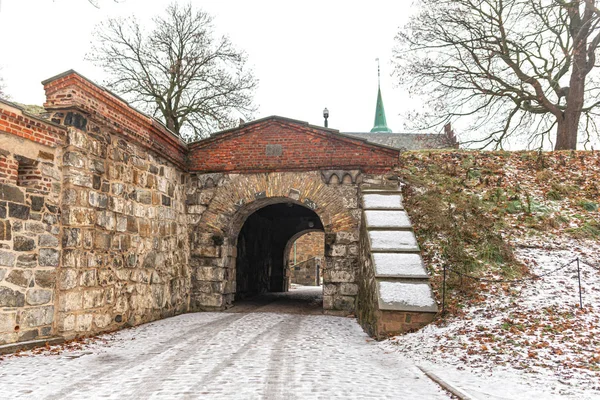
(108, 220)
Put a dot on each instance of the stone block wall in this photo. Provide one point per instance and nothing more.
(306, 247)
(124, 233)
(30, 188)
(307, 273)
(220, 203)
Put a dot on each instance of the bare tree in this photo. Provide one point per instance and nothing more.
(3, 89)
(177, 71)
(513, 67)
(96, 3)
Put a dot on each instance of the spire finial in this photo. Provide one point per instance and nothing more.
(380, 124)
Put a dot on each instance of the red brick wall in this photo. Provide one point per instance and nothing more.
(302, 148)
(8, 168)
(13, 121)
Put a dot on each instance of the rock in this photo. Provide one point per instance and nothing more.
(49, 257)
(19, 211)
(11, 298)
(48, 241)
(22, 243)
(37, 203)
(68, 279)
(84, 322)
(19, 277)
(71, 237)
(5, 230)
(143, 196)
(45, 279)
(7, 259)
(74, 159)
(27, 261)
(102, 241)
(8, 322)
(38, 296)
(150, 260)
(11, 193)
(98, 200)
(28, 335)
(106, 220)
(33, 317)
(70, 301)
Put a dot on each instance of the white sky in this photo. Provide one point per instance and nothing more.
(307, 54)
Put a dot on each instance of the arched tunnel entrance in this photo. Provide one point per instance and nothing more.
(263, 246)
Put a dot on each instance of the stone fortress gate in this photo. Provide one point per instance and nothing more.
(108, 220)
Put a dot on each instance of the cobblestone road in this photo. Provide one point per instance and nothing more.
(249, 355)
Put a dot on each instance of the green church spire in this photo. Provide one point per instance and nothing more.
(380, 124)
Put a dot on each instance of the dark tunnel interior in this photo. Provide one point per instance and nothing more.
(261, 244)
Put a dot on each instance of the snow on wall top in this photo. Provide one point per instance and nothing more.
(391, 201)
(406, 296)
(398, 264)
(386, 219)
(393, 241)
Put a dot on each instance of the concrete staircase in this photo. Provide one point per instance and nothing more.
(404, 297)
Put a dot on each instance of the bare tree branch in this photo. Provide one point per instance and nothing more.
(178, 70)
(512, 67)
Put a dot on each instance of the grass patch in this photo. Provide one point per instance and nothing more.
(589, 230)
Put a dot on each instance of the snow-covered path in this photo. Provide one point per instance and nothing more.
(252, 355)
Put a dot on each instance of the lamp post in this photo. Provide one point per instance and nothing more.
(325, 115)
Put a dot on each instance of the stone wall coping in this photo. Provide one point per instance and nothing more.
(142, 128)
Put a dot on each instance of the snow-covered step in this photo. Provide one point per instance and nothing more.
(406, 296)
(380, 191)
(388, 219)
(382, 201)
(399, 265)
(393, 241)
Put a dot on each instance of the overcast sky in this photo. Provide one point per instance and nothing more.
(307, 54)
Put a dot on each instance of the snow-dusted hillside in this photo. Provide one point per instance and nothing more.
(528, 337)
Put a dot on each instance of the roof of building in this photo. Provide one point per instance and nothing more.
(406, 141)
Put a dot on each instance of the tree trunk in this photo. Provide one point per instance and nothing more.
(566, 132)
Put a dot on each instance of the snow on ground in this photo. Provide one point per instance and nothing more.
(254, 355)
(526, 340)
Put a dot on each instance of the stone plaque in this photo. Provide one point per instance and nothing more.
(274, 150)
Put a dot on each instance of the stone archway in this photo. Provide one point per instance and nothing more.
(261, 243)
(233, 198)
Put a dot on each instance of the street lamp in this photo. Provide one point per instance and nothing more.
(325, 115)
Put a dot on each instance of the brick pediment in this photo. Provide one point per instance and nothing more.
(281, 144)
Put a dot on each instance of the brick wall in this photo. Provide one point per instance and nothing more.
(15, 122)
(277, 144)
(307, 246)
